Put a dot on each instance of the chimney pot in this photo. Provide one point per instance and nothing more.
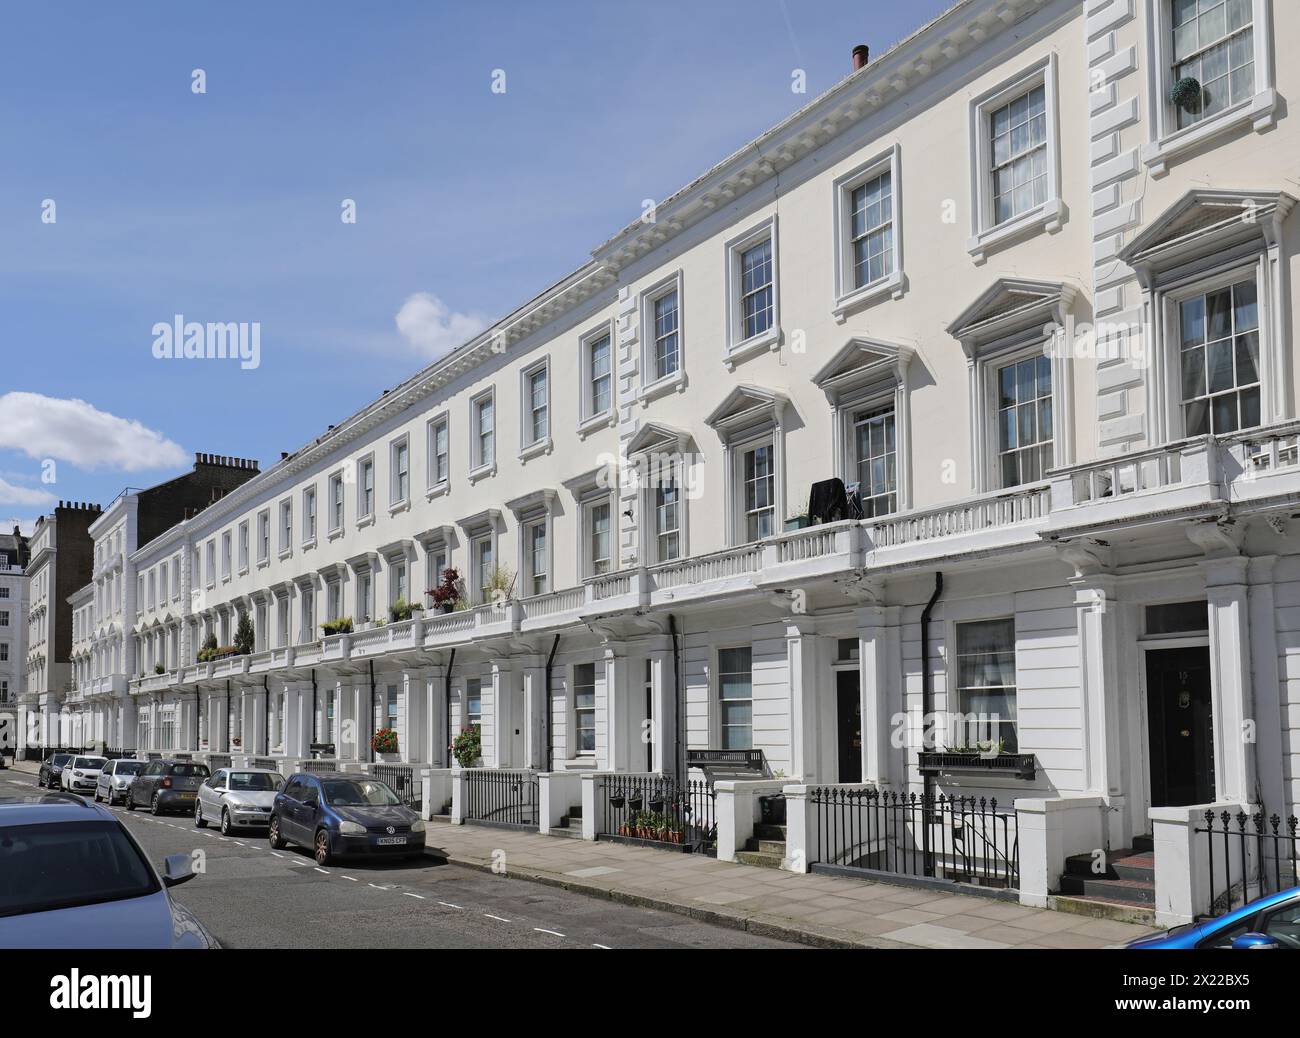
(861, 55)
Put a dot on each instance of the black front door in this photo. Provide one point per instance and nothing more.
(1180, 727)
(849, 713)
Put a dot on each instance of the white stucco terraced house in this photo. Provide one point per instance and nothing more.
(1043, 318)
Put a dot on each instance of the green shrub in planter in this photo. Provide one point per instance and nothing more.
(467, 747)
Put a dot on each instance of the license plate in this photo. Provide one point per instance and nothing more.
(187, 796)
(391, 841)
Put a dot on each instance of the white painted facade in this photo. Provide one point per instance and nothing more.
(1130, 505)
(13, 630)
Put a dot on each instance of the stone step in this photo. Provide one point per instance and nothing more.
(766, 846)
(769, 832)
(1121, 864)
(567, 832)
(1126, 891)
(1144, 845)
(760, 858)
(1099, 908)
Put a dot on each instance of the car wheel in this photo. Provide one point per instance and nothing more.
(273, 835)
(96, 794)
(155, 807)
(322, 850)
(130, 801)
(226, 827)
(199, 820)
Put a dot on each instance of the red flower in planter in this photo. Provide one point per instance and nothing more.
(384, 741)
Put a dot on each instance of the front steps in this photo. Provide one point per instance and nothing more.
(1124, 890)
(570, 825)
(766, 848)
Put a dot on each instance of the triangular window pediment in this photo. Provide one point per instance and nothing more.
(860, 362)
(654, 436)
(1010, 305)
(747, 405)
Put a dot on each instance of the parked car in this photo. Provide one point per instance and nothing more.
(115, 778)
(166, 785)
(237, 798)
(339, 815)
(1266, 923)
(82, 773)
(51, 774)
(71, 876)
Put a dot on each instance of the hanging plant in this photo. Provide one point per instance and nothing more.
(384, 741)
(1186, 94)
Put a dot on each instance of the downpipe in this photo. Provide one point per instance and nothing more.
(550, 663)
(446, 698)
(679, 753)
(927, 710)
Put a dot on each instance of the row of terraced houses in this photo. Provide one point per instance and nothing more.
(1023, 283)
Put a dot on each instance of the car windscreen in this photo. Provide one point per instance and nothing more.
(67, 864)
(89, 763)
(254, 782)
(189, 770)
(61, 759)
(129, 767)
(362, 793)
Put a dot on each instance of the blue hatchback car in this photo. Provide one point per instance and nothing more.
(1270, 922)
(339, 815)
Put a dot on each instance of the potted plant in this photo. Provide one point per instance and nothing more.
(500, 587)
(797, 518)
(245, 637)
(384, 743)
(399, 611)
(1186, 94)
(343, 625)
(447, 594)
(158, 668)
(467, 747)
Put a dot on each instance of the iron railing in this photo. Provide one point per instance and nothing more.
(217, 761)
(264, 763)
(656, 807)
(119, 753)
(1250, 856)
(400, 778)
(46, 752)
(954, 839)
(504, 797)
(319, 767)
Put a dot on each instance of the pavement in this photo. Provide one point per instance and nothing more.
(825, 911)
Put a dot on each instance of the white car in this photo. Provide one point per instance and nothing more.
(81, 773)
(116, 778)
(237, 798)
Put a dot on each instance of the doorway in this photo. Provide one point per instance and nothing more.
(848, 712)
(1180, 726)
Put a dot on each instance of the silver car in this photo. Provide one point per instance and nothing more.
(237, 798)
(115, 778)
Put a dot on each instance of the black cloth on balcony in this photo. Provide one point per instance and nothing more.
(827, 502)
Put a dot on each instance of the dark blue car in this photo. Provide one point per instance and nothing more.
(1270, 922)
(342, 816)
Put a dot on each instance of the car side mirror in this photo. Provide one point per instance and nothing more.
(177, 869)
(1254, 942)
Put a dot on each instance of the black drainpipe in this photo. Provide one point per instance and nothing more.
(315, 728)
(372, 709)
(446, 697)
(198, 720)
(679, 754)
(226, 739)
(266, 721)
(927, 709)
(550, 661)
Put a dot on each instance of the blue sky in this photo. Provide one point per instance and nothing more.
(225, 206)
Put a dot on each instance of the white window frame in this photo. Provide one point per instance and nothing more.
(263, 538)
(576, 751)
(436, 486)
(586, 561)
(478, 466)
(309, 515)
(286, 527)
(741, 513)
(588, 418)
(530, 446)
(986, 366)
(366, 514)
(652, 384)
(475, 588)
(528, 555)
(716, 698)
(227, 555)
(1051, 214)
(399, 498)
(336, 503)
(243, 553)
(1166, 143)
(966, 614)
(735, 348)
(850, 297)
(657, 471)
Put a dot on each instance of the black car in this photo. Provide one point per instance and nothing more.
(51, 773)
(166, 785)
(339, 815)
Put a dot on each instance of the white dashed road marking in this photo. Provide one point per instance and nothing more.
(551, 932)
(448, 904)
(496, 917)
(407, 893)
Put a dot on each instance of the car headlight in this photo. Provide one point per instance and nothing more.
(417, 826)
(351, 829)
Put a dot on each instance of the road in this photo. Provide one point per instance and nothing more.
(250, 896)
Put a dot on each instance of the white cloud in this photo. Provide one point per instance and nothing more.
(427, 324)
(15, 495)
(73, 431)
